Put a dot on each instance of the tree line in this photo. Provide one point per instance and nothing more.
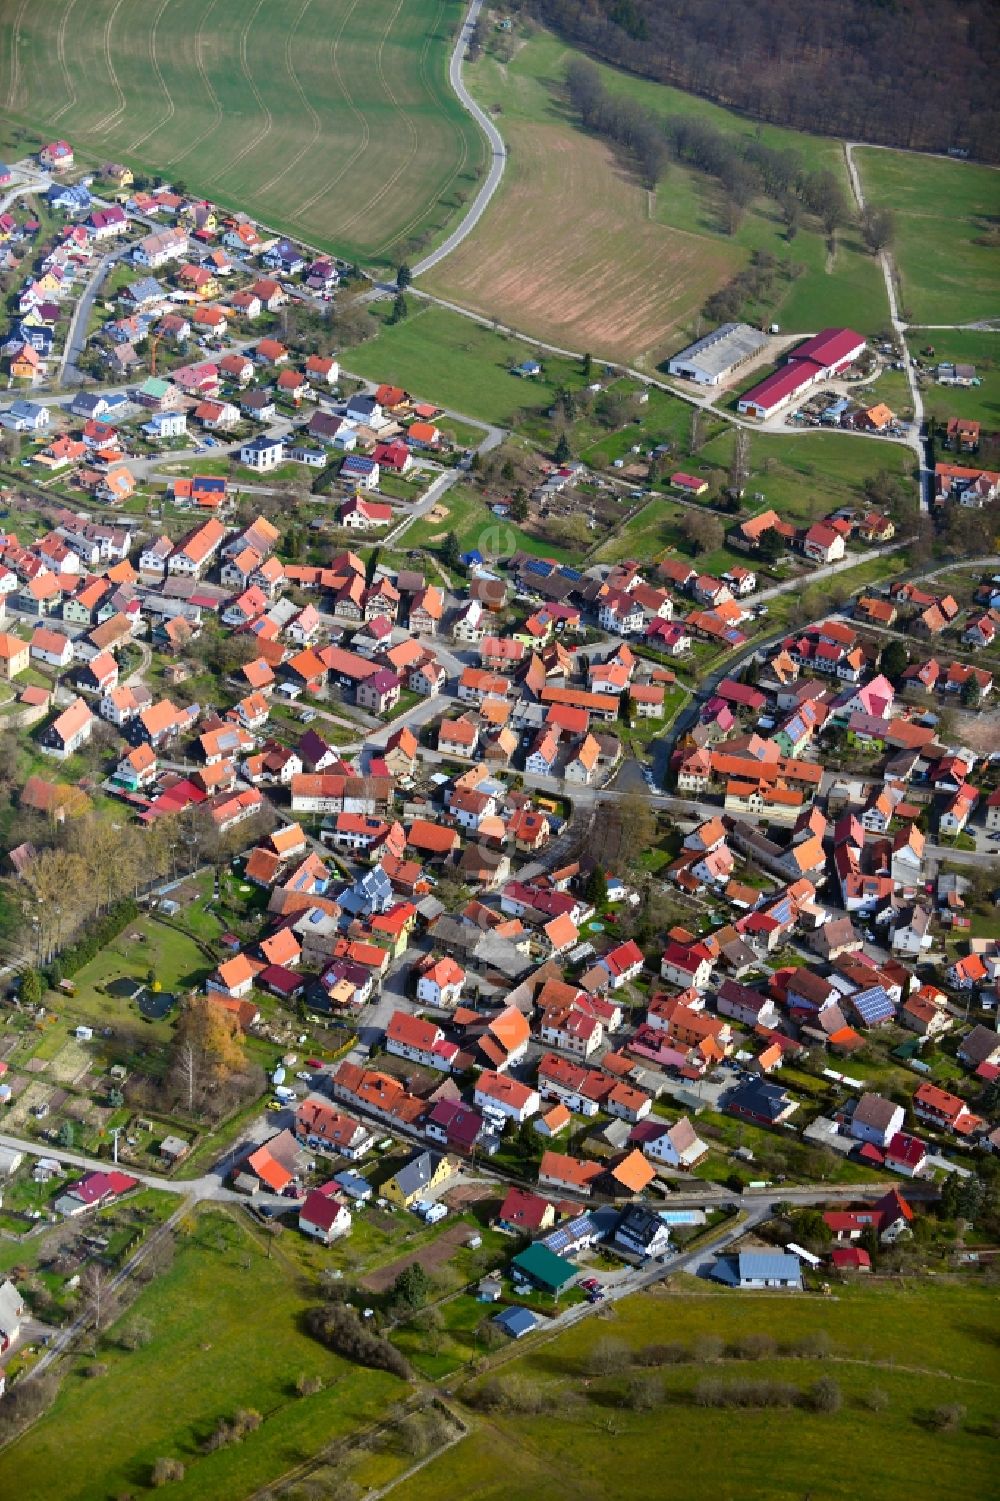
(87, 867)
(744, 167)
(919, 76)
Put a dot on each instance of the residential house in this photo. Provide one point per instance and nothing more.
(324, 1215)
(423, 1172)
(876, 1120)
(68, 732)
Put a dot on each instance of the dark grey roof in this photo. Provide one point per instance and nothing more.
(416, 1173)
(640, 1224)
(758, 1097)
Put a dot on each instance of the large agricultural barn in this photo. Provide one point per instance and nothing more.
(822, 357)
(714, 358)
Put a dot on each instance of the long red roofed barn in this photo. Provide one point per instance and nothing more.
(824, 356)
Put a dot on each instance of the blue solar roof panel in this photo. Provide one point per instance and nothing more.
(873, 1005)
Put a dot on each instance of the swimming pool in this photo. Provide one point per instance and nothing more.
(682, 1216)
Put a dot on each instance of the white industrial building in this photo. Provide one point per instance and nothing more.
(714, 358)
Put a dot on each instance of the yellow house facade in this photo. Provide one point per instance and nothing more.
(423, 1172)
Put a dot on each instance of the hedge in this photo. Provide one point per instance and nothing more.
(98, 935)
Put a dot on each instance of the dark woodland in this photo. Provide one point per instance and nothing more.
(914, 73)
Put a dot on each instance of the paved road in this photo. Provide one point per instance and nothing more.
(76, 339)
(984, 325)
(493, 137)
(755, 1210)
(208, 1186)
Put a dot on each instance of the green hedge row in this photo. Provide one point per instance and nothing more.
(98, 935)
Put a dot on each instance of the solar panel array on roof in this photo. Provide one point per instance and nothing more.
(541, 569)
(558, 1242)
(873, 1005)
(568, 1235)
(571, 573)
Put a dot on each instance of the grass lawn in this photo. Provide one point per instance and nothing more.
(240, 102)
(845, 287)
(868, 571)
(946, 214)
(802, 476)
(209, 1356)
(475, 526)
(893, 388)
(442, 357)
(172, 956)
(717, 1456)
(807, 474)
(462, 434)
(457, 1343)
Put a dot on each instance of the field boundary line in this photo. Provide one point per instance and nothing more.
(105, 124)
(61, 55)
(171, 106)
(359, 150)
(289, 167)
(405, 229)
(210, 91)
(262, 135)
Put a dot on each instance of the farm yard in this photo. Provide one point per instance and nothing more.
(326, 119)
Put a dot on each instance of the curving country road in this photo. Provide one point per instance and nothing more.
(493, 136)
